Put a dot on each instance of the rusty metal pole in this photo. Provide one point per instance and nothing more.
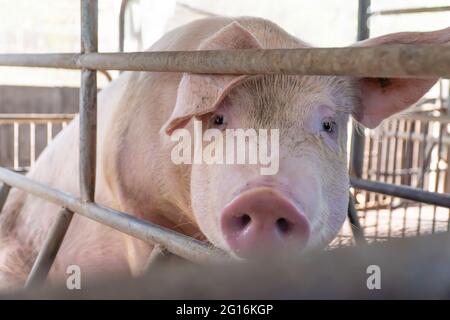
(176, 243)
(387, 61)
(88, 132)
(410, 10)
(357, 145)
(357, 231)
(88, 102)
(158, 256)
(47, 254)
(4, 192)
(123, 8)
(358, 139)
(404, 192)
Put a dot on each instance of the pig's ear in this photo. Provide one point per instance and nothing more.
(383, 97)
(199, 94)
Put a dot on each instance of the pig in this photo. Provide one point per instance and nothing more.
(299, 208)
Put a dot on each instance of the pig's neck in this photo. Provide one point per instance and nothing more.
(136, 158)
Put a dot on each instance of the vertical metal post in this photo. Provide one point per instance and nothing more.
(158, 256)
(4, 192)
(357, 144)
(123, 7)
(88, 102)
(16, 145)
(358, 233)
(47, 255)
(88, 141)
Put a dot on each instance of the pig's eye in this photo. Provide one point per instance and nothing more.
(328, 126)
(218, 121)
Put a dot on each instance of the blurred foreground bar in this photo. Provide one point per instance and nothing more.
(413, 268)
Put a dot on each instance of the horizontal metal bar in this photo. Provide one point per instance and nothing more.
(409, 11)
(10, 118)
(41, 60)
(405, 192)
(410, 136)
(444, 119)
(178, 244)
(49, 250)
(382, 61)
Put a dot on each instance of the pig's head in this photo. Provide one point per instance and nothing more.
(303, 203)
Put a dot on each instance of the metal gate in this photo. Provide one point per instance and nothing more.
(383, 61)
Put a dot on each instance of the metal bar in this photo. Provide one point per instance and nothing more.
(32, 144)
(10, 118)
(405, 192)
(443, 119)
(410, 10)
(42, 60)
(358, 139)
(415, 137)
(16, 138)
(178, 244)
(357, 230)
(47, 254)
(4, 192)
(88, 102)
(398, 60)
(123, 7)
(357, 142)
(158, 256)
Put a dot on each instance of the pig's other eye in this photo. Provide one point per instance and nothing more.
(218, 121)
(328, 126)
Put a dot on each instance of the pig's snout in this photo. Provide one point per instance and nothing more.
(260, 221)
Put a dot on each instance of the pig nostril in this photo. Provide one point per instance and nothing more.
(283, 225)
(244, 220)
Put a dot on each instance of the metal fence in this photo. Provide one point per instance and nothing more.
(30, 134)
(411, 149)
(384, 61)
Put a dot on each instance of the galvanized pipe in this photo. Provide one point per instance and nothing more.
(4, 192)
(357, 230)
(382, 61)
(41, 60)
(123, 8)
(47, 254)
(178, 244)
(158, 256)
(88, 102)
(405, 192)
(410, 10)
(358, 139)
